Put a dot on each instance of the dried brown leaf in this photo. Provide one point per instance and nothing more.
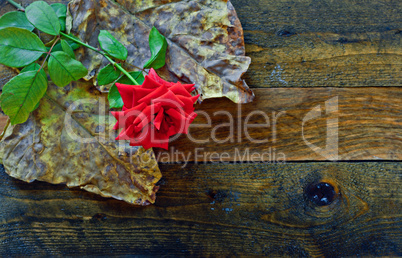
(205, 40)
(50, 147)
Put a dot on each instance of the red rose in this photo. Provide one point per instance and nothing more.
(154, 111)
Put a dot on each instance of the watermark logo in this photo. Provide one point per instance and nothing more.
(330, 152)
(233, 128)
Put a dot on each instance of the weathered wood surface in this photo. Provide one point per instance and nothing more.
(257, 209)
(325, 43)
(314, 44)
(236, 209)
(368, 122)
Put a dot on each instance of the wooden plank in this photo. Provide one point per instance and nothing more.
(327, 43)
(203, 210)
(369, 122)
(307, 44)
(260, 209)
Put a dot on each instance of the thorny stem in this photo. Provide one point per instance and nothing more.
(16, 5)
(19, 7)
(81, 43)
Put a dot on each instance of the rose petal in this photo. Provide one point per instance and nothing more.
(184, 129)
(188, 103)
(150, 83)
(180, 122)
(169, 100)
(139, 93)
(161, 140)
(126, 93)
(191, 117)
(155, 94)
(158, 79)
(178, 89)
(145, 116)
(172, 131)
(154, 111)
(142, 137)
(175, 115)
(126, 134)
(195, 98)
(133, 113)
(189, 87)
(119, 115)
(158, 119)
(151, 139)
(139, 107)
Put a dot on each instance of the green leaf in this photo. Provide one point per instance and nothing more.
(15, 19)
(21, 95)
(67, 48)
(138, 76)
(108, 74)
(63, 69)
(72, 44)
(34, 67)
(60, 9)
(61, 12)
(111, 46)
(158, 46)
(49, 125)
(115, 100)
(19, 47)
(36, 107)
(43, 17)
(31, 67)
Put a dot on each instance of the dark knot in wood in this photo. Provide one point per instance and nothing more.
(321, 193)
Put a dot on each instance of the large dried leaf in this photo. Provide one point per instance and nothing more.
(205, 40)
(43, 148)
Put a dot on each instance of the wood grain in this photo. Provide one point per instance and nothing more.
(369, 122)
(313, 44)
(203, 210)
(343, 43)
(257, 208)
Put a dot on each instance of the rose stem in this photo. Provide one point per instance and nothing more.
(16, 5)
(102, 53)
(19, 7)
(48, 53)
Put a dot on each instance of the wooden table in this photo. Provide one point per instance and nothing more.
(305, 54)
